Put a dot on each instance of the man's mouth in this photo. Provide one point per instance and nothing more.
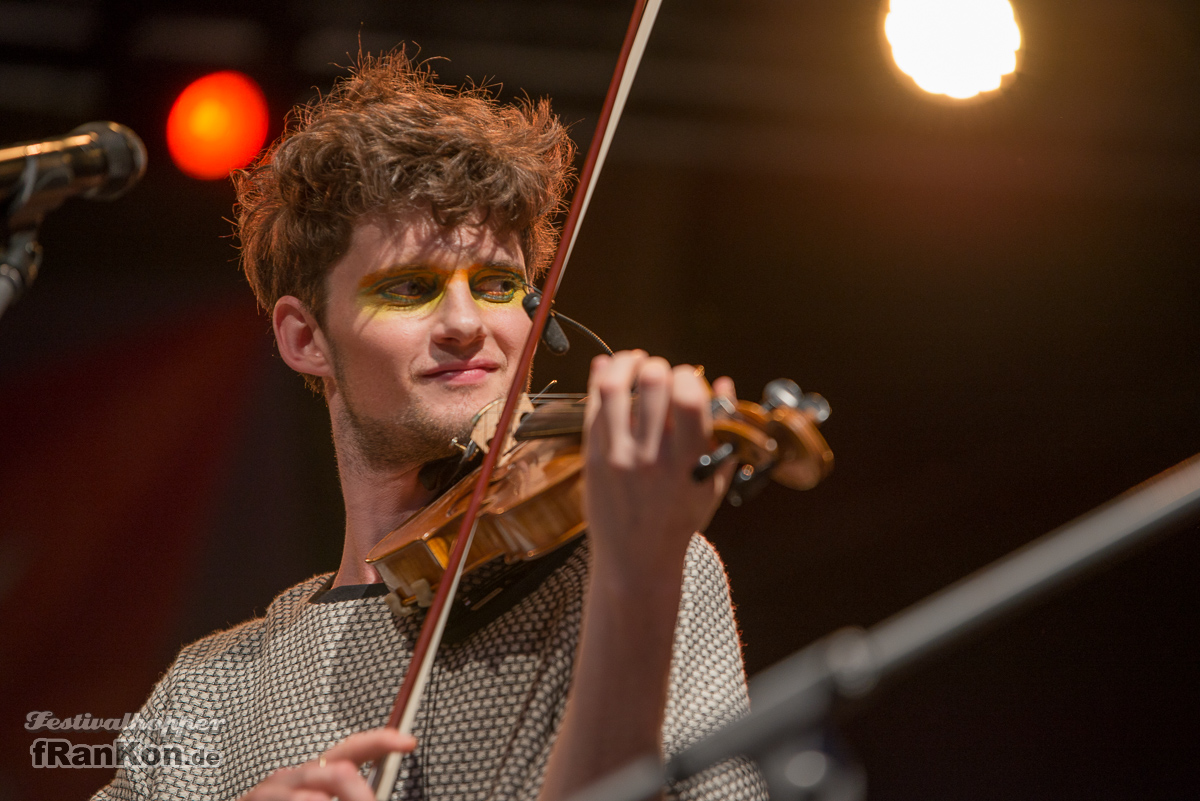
(469, 372)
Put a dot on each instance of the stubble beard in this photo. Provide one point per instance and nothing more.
(413, 436)
(409, 439)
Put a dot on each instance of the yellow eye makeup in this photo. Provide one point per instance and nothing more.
(419, 289)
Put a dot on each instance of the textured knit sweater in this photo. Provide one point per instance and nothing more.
(279, 690)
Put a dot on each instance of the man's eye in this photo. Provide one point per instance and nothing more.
(410, 289)
(498, 288)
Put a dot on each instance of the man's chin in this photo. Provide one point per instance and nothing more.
(455, 411)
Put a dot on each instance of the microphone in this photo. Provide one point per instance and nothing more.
(98, 160)
(552, 335)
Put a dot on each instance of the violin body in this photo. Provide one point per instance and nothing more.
(534, 501)
(534, 504)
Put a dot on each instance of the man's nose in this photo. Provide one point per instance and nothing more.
(458, 316)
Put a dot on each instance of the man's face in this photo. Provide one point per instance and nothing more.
(426, 327)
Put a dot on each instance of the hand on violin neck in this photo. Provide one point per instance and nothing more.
(642, 504)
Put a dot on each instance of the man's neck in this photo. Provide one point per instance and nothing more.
(377, 502)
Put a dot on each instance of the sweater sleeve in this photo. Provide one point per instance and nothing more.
(134, 781)
(155, 753)
(708, 680)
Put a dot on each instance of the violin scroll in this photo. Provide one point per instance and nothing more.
(776, 439)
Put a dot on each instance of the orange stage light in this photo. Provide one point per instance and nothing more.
(218, 123)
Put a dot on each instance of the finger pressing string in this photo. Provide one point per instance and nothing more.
(612, 383)
(649, 416)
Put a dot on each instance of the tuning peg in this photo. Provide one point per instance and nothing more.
(747, 482)
(781, 392)
(815, 404)
(709, 462)
(784, 392)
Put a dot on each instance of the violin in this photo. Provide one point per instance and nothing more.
(534, 499)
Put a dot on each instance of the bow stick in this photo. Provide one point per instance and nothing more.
(404, 710)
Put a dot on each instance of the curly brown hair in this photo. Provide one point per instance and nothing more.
(390, 137)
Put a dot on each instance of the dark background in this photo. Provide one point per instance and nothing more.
(1000, 299)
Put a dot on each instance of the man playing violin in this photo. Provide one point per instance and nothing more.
(392, 233)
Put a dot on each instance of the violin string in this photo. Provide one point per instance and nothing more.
(545, 391)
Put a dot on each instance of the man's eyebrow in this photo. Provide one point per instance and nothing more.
(372, 279)
(502, 265)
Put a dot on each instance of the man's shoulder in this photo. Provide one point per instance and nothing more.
(246, 637)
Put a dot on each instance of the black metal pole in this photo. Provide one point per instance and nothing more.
(793, 698)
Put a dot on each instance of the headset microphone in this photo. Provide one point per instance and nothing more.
(552, 335)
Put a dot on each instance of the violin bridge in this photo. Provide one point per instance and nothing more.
(483, 428)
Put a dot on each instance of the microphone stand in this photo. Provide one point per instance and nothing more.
(22, 255)
(39, 188)
(794, 699)
(19, 263)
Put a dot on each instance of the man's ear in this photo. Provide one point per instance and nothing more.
(301, 342)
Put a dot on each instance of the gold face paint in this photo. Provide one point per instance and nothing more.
(418, 289)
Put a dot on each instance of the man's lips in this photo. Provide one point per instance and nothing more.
(473, 368)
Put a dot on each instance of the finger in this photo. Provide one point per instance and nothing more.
(610, 391)
(722, 479)
(335, 779)
(368, 745)
(691, 416)
(593, 436)
(309, 795)
(315, 782)
(653, 403)
(723, 388)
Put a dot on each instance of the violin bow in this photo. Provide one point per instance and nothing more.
(404, 710)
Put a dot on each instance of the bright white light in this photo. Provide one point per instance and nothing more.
(954, 47)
